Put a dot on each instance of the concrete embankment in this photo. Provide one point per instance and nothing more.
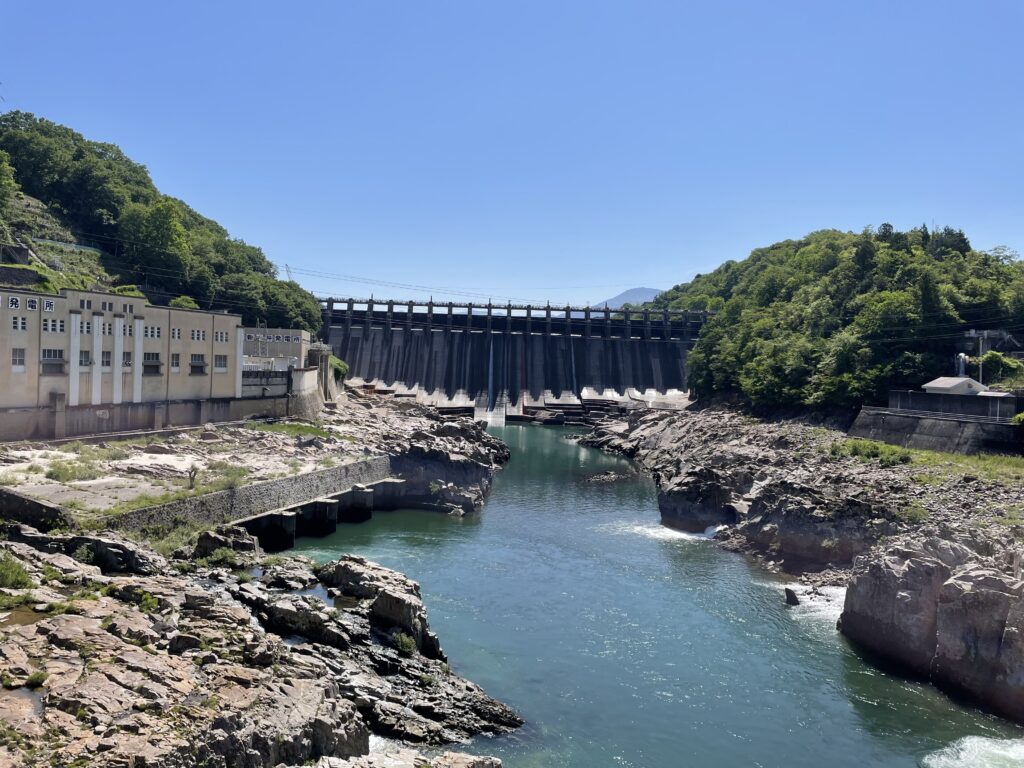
(927, 550)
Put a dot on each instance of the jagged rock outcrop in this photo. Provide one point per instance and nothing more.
(210, 668)
(949, 607)
(777, 489)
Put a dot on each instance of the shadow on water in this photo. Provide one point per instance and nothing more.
(625, 643)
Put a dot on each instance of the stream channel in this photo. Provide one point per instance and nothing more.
(625, 643)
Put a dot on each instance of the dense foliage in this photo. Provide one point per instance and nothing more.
(838, 318)
(148, 239)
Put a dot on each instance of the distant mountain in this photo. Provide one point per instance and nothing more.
(632, 296)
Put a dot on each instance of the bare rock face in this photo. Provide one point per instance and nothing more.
(395, 599)
(947, 612)
(208, 669)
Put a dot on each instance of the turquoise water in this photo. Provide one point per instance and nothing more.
(624, 643)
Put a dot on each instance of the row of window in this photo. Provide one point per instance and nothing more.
(20, 323)
(286, 338)
(53, 361)
(106, 306)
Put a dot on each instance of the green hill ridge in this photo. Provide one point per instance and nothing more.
(838, 318)
(96, 220)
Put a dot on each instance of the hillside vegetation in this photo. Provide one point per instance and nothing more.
(838, 318)
(96, 219)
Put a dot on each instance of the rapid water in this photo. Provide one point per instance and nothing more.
(624, 643)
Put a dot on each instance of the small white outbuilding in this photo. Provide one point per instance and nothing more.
(955, 385)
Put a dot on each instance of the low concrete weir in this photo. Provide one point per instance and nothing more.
(277, 529)
(508, 359)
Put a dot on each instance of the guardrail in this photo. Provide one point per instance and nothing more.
(936, 415)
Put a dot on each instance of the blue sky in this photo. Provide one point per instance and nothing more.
(542, 150)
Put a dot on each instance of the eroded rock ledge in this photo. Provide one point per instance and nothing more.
(144, 666)
(947, 605)
(931, 565)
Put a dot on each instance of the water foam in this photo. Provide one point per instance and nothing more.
(655, 531)
(978, 752)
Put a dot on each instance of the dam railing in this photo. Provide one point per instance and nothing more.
(585, 322)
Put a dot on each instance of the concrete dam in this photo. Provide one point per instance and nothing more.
(511, 359)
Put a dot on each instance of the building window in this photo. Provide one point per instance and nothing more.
(222, 336)
(107, 306)
(152, 331)
(84, 358)
(220, 363)
(127, 330)
(150, 363)
(53, 361)
(85, 303)
(175, 333)
(32, 304)
(126, 359)
(105, 359)
(19, 323)
(53, 326)
(84, 327)
(175, 362)
(198, 335)
(18, 359)
(47, 305)
(13, 302)
(197, 366)
(128, 309)
(108, 329)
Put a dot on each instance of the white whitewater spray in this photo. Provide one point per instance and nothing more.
(978, 752)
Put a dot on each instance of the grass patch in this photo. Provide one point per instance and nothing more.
(292, 428)
(869, 450)
(994, 467)
(8, 478)
(70, 471)
(167, 538)
(13, 601)
(405, 644)
(13, 574)
(913, 513)
(221, 557)
(36, 679)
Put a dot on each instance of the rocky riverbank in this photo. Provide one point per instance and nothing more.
(216, 660)
(928, 549)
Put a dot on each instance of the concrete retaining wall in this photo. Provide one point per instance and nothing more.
(937, 434)
(82, 420)
(257, 498)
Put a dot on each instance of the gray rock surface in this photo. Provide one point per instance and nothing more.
(171, 670)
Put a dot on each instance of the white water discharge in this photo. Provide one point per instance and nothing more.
(657, 531)
(978, 752)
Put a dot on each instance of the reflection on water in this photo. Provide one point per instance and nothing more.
(624, 643)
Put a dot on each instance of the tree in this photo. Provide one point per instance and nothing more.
(183, 302)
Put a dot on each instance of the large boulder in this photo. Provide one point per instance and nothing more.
(947, 612)
(891, 607)
(980, 639)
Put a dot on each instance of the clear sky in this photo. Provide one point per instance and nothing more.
(542, 149)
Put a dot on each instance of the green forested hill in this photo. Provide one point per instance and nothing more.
(838, 318)
(93, 192)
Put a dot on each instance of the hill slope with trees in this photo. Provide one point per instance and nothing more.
(108, 202)
(838, 318)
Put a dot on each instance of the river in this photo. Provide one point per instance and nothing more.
(624, 643)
